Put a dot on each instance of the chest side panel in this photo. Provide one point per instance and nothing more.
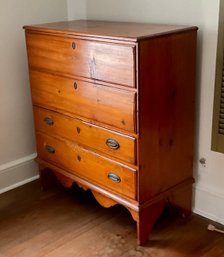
(166, 112)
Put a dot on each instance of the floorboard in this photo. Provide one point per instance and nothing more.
(70, 223)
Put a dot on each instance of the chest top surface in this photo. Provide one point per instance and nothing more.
(111, 30)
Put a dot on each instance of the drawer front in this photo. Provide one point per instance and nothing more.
(86, 164)
(75, 57)
(111, 106)
(109, 142)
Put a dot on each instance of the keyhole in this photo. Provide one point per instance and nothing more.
(78, 158)
(78, 130)
(75, 85)
(73, 45)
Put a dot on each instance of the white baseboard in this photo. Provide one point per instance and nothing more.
(18, 172)
(209, 204)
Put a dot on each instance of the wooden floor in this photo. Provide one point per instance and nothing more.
(69, 223)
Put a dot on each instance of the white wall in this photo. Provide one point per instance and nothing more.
(17, 147)
(76, 9)
(209, 187)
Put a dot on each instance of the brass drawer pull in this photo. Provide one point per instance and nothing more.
(48, 121)
(50, 149)
(114, 177)
(112, 143)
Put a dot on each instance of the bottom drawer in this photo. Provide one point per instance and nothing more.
(87, 164)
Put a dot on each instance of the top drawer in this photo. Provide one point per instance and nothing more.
(107, 62)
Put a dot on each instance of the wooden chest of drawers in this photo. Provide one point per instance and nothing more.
(114, 111)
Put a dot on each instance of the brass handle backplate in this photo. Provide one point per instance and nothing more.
(50, 149)
(114, 177)
(112, 144)
(48, 121)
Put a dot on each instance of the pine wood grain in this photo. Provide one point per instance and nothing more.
(166, 112)
(96, 60)
(85, 134)
(103, 104)
(62, 222)
(85, 163)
